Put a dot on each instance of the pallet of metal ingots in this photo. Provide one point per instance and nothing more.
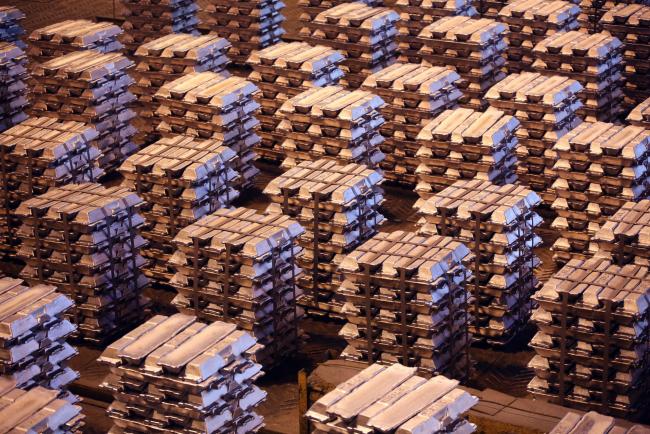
(239, 266)
(309, 9)
(10, 28)
(393, 400)
(413, 94)
(332, 123)
(631, 24)
(530, 22)
(36, 155)
(593, 423)
(593, 338)
(406, 301)
(339, 208)
(600, 167)
(415, 15)
(92, 88)
(73, 35)
(197, 377)
(168, 58)
(249, 25)
(283, 71)
(146, 20)
(625, 236)
(181, 179)
(83, 239)
(208, 105)
(475, 48)
(367, 37)
(596, 61)
(464, 144)
(504, 219)
(640, 115)
(33, 341)
(13, 88)
(32, 410)
(547, 109)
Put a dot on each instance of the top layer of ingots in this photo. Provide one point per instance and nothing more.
(640, 115)
(593, 423)
(10, 28)
(393, 400)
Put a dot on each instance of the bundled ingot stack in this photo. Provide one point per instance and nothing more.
(631, 24)
(464, 144)
(594, 423)
(168, 58)
(640, 115)
(208, 105)
(309, 9)
(592, 343)
(32, 410)
(624, 237)
(177, 375)
(10, 28)
(498, 224)
(475, 48)
(239, 266)
(83, 239)
(146, 20)
(248, 25)
(394, 400)
(596, 61)
(283, 71)
(36, 155)
(73, 35)
(547, 109)
(415, 15)
(332, 123)
(181, 179)
(600, 167)
(92, 88)
(33, 339)
(13, 87)
(339, 208)
(532, 21)
(367, 37)
(406, 302)
(413, 94)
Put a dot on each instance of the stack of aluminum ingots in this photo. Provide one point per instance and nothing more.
(367, 37)
(73, 35)
(600, 167)
(464, 144)
(13, 87)
(475, 48)
(406, 302)
(177, 375)
(498, 223)
(332, 123)
(415, 15)
(414, 94)
(625, 236)
(248, 25)
(596, 61)
(83, 239)
(394, 400)
(146, 20)
(209, 105)
(282, 71)
(33, 339)
(594, 423)
(10, 28)
(181, 179)
(239, 266)
(339, 208)
(36, 155)
(32, 410)
(532, 21)
(592, 343)
(90, 87)
(547, 109)
(166, 59)
(309, 9)
(640, 115)
(631, 24)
